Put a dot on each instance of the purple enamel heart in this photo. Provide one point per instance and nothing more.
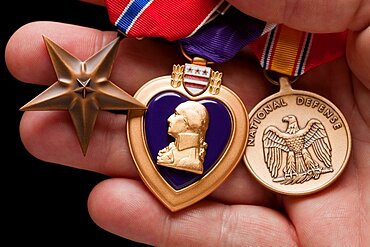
(217, 137)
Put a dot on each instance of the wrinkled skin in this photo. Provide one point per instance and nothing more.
(240, 212)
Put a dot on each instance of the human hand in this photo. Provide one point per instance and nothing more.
(240, 212)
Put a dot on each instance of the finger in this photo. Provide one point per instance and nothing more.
(327, 80)
(136, 63)
(358, 53)
(50, 136)
(242, 188)
(124, 207)
(337, 212)
(26, 46)
(312, 16)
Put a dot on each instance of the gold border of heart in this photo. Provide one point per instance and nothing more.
(178, 199)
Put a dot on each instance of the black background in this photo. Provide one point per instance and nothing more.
(45, 204)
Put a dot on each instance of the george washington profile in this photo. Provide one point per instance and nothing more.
(188, 125)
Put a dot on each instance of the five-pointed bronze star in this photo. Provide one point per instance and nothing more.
(83, 88)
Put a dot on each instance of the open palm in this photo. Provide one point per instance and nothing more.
(240, 212)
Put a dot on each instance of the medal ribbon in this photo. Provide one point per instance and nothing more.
(279, 48)
(168, 19)
(292, 52)
(220, 40)
(185, 21)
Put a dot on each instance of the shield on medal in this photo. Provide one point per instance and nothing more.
(196, 78)
(190, 137)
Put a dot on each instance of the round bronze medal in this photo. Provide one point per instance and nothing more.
(298, 143)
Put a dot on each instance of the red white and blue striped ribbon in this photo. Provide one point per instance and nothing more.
(168, 19)
(186, 21)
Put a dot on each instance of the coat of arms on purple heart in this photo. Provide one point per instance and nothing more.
(190, 137)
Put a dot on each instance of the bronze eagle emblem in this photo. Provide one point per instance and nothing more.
(300, 166)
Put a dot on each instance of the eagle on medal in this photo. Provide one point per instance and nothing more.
(300, 165)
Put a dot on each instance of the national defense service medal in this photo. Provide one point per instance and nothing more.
(191, 136)
(298, 143)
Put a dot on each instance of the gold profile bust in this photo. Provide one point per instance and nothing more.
(188, 125)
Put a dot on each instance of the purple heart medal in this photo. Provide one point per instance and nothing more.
(194, 131)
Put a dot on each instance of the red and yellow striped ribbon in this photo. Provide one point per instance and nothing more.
(292, 52)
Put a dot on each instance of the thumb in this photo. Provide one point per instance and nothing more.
(358, 56)
(310, 16)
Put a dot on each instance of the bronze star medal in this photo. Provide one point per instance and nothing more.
(83, 88)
